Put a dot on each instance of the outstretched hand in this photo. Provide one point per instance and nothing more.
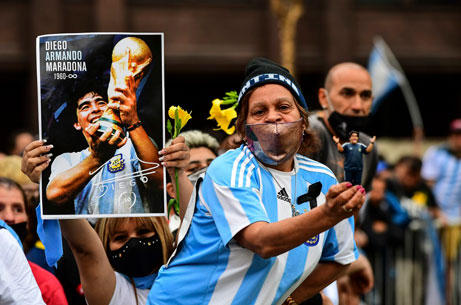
(36, 159)
(344, 199)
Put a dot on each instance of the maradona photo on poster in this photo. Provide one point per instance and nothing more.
(101, 105)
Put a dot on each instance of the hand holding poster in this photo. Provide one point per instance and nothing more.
(101, 105)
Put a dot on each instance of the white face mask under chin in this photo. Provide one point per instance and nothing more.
(275, 143)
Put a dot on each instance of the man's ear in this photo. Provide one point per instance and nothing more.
(77, 126)
(322, 95)
(170, 190)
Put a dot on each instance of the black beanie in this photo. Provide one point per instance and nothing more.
(261, 71)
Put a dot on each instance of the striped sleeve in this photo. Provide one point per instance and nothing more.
(231, 193)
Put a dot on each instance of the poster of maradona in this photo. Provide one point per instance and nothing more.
(101, 106)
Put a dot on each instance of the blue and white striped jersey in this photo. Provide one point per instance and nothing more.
(444, 168)
(116, 188)
(211, 268)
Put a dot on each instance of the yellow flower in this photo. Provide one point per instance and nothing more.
(183, 115)
(222, 117)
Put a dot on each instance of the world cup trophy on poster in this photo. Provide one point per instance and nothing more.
(130, 57)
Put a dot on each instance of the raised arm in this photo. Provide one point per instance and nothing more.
(271, 239)
(145, 149)
(338, 144)
(372, 143)
(96, 273)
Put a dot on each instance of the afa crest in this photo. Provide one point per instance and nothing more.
(116, 164)
(313, 241)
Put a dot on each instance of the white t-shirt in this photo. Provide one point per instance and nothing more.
(17, 283)
(124, 292)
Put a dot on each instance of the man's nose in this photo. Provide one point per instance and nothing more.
(95, 107)
(357, 105)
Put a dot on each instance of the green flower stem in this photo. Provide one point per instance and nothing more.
(177, 188)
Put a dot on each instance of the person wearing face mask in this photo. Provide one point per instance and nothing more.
(13, 203)
(120, 265)
(265, 225)
(203, 149)
(346, 100)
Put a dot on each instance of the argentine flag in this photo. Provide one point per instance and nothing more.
(386, 74)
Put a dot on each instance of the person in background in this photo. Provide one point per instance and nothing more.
(18, 140)
(120, 265)
(346, 100)
(17, 283)
(13, 204)
(407, 182)
(442, 171)
(203, 150)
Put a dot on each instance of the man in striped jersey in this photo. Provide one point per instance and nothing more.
(254, 231)
(111, 176)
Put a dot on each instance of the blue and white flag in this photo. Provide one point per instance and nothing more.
(385, 77)
(386, 74)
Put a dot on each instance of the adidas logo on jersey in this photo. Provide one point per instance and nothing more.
(283, 195)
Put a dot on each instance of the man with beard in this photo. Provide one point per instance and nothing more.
(346, 101)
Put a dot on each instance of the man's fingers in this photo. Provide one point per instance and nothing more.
(123, 142)
(92, 129)
(106, 135)
(113, 140)
(114, 105)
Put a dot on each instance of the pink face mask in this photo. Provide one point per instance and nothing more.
(274, 143)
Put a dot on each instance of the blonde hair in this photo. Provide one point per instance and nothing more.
(10, 167)
(105, 227)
